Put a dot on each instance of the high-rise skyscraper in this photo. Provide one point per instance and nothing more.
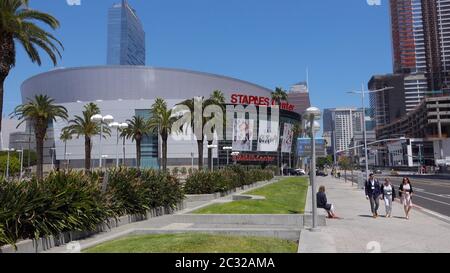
(298, 96)
(421, 42)
(126, 36)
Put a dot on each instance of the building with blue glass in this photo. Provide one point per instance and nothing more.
(126, 36)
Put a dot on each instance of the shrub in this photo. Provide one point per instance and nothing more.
(202, 182)
(14, 164)
(125, 192)
(183, 171)
(72, 201)
(64, 201)
(175, 171)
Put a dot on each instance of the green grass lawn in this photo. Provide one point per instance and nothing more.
(285, 197)
(195, 243)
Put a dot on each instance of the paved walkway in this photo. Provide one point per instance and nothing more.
(358, 232)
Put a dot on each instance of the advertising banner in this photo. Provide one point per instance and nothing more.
(268, 139)
(242, 135)
(288, 135)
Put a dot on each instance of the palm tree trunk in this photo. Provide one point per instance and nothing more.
(65, 154)
(138, 153)
(40, 134)
(200, 154)
(164, 153)
(7, 57)
(87, 153)
(210, 142)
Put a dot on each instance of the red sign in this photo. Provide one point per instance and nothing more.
(254, 158)
(259, 101)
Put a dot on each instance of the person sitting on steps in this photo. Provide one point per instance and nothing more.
(322, 203)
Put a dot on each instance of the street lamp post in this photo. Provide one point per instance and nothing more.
(363, 93)
(7, 162)
(313, 114)
(21, 163)
(116, 126)
(212, 156)
(228, 149)
(101, 119)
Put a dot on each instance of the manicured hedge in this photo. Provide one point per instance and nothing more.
(204, 182)
(72, 201)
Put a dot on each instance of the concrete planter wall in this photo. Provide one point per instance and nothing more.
(46, 243)
(210, 197)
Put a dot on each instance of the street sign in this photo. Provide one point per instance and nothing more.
(304, 147)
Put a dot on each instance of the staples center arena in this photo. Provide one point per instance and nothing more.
(126, 91)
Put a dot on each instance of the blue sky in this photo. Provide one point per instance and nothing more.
(268, 42)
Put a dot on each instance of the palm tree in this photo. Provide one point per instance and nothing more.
(17, 26)
(161, 123)
(218, 98)
(40, 111)
(190, 104)
(278, 96)
(83, 126)
(137, 129)
(65, 136)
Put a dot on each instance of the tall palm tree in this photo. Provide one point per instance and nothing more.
(40, 111)
(279, 95)
(190, 104)
(65, 136)
(218, 98)
(161, 123)
(138, 127)
(83, 126)
(18, 25)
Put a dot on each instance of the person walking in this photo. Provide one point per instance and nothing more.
(388, 192)
(373, 191)
(406, 192)
(322, 203)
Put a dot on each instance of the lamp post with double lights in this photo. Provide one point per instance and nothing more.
(363, 93)
(312, 116)
(228, 149)
(108, 119)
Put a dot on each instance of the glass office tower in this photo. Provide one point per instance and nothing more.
(126, 36)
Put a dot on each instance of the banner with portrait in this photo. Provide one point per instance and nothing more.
(268, 137)
(243, 135)
(288, 135)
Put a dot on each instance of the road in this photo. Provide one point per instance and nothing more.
(432, 193)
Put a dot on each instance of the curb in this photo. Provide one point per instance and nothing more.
(433, 214)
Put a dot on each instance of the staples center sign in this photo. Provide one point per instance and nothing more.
(259, 101)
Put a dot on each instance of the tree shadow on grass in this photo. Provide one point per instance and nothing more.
(294, 212)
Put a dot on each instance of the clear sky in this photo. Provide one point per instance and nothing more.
(268, 42)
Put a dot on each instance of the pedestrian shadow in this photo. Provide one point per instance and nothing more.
(366, 216)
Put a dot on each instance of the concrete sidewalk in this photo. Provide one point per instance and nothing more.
(358, 232)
